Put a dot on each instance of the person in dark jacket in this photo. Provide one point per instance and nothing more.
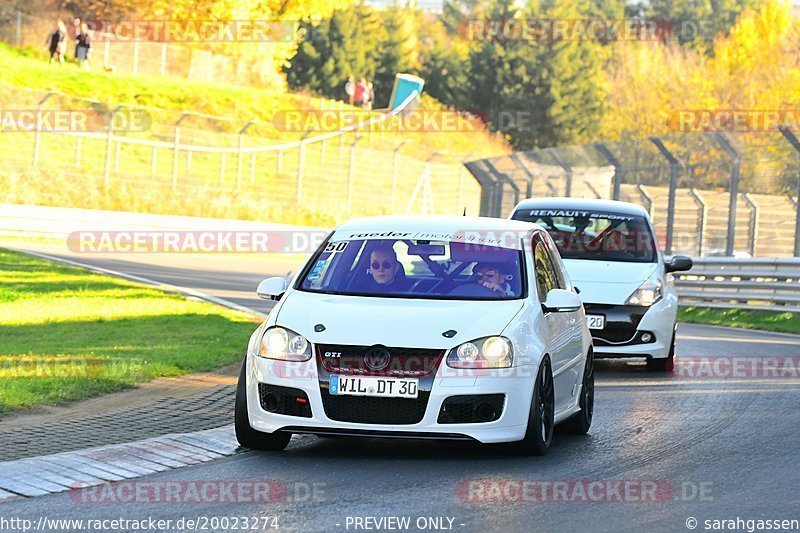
(387, 274)
(82, 47)
(58, 43)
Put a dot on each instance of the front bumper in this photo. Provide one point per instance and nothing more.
(514, 384)
(625, 326)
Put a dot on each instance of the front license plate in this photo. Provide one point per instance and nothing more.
(595, 321)
(373, 386)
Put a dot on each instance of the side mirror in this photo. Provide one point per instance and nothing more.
(271, 288)
(561, 301)
(678, 263)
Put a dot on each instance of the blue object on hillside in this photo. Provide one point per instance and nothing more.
(404, 85)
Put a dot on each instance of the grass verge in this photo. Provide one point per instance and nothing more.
(67, 334)
(783, 322)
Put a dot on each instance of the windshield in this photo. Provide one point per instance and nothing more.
(415, 269)
(595, 235)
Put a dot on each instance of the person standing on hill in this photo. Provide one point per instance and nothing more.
(75, 31)
(84, 43)
(361, 94)
(58, 43)
(370, 95)
(350, 89)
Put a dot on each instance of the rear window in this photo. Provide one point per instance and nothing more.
(415, 269)
(595, 235)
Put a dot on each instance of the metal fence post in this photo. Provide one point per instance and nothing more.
(19, 28)
(673, 184)
(793, 140)
(498, 200)
(567, 170)
(701, 229)
(301, 156)
(754, 215)
(647, 199)
(175, 144)
(395, 160)
(618, 168)
(351, 173)
(163, 59)
(37, 135)
(78, 148)
(252, 168)
(222, 160)
(135, 57)
(107, 166)
(734, 192)
(239, 154)
(116, 157)
(519, 164)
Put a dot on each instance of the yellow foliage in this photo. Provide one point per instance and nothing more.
(755, 67)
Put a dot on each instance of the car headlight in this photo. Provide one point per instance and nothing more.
(486, 352)
(646, 295)
(284, 344)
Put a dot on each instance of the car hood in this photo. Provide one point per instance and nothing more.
(607, 282)
(404, 322)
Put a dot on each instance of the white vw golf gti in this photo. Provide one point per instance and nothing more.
(421, 327)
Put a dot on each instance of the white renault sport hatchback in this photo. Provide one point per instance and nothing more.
(421, 327)
(611, 253)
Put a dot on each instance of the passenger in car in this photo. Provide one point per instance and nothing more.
(491, 276)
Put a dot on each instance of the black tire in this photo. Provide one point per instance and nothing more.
(539, 434)
(666, 364)
(580, 422)
(245, 434)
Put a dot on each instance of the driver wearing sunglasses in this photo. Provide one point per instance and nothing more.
(386, 270)
(491, 276)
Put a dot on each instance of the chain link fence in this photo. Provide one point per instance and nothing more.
(709, 194)
(233, 169)
(139, 56)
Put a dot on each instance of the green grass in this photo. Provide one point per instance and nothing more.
(783, 322)
(67, 334)
(168, 97)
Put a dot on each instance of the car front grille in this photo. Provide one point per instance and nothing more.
(402, 362)
(371, 410)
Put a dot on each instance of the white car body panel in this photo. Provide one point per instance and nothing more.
(607, 282)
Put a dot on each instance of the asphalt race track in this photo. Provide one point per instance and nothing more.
(715, 448)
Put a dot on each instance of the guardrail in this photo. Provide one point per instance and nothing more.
(728, 282)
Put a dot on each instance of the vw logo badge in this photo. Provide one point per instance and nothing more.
(377, 358)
